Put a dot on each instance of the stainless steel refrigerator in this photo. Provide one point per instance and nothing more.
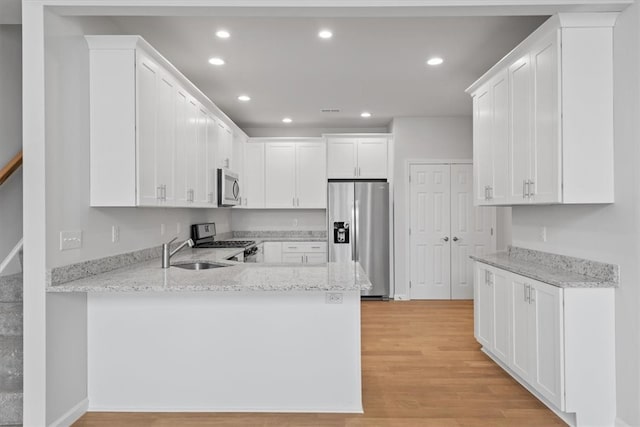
(358, 229)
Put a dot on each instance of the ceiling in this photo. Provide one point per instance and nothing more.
(370, 64)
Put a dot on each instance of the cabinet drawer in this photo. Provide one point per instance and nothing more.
(298, 247)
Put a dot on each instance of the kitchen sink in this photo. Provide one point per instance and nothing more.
(199, 265)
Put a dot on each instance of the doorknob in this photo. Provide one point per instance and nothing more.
(455, 239)
(446, 239)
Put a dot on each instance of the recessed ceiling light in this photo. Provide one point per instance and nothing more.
(223, 34)
(216, 61)
(244, 98)
(287, 120)
(436, 60)
(325, 34)
(365, 114)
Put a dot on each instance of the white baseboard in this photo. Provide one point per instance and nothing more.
(620, 423)
(400, 297)
(72, 415)
(231, 410)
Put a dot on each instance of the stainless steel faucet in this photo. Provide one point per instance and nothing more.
(167, 253)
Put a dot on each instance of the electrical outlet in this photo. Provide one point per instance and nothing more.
(333, 298)
(178, 228)
(115, 234)
(163, 229)
(70, 240)
(543, 234)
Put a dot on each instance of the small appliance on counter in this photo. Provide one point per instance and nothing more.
(203, 235)
(228, 188)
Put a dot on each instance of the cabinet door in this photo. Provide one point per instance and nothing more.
(342, 157)
(547, 350)
(149, 192)
(501, 320)
(520, 328)
(273, 252)
(165, 138)
(292, 258)
(372, 157)
(191, 145)
(311, 175)
(315, 257)
(225, 141)
(238, 150)
(280, 175)
(201, 197)
(482, 155)
(483, 306)
(520, 109)
(499, 190)
(212, 167)
(253, 182)
(545, 142)
(181, 150)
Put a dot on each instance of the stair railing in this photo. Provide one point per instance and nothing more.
(10, 167)
(14, 252)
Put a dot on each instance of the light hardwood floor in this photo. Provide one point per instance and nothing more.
(421, 367)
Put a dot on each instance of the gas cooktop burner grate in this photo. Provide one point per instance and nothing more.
(226, 244)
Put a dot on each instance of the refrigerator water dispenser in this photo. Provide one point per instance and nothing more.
(341, 232)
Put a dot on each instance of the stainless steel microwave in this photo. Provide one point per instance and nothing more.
(228, 188)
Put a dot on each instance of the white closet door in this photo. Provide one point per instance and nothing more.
(471, 231)
(430, 240)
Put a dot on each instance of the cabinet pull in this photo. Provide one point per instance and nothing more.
(315, 247)
(490, 192)
(246, 201)
(294, 202)
(524, 188)
(159, 192)
(302, 259)
(524, 291)
(355, 171)
(359, 171)
(529, 188)
(532, 298)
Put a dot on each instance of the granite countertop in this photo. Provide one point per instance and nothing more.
(557, 270)
(148, 276)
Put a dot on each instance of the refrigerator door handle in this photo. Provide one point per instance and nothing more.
(356, 230)
(354, 233)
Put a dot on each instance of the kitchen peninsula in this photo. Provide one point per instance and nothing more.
(246, 337)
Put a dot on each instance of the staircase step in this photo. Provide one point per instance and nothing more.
(11, 288)
(10, 318)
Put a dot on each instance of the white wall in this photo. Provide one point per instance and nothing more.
(11, 135)
(287, 131)
(278, 219)
(609, 233)
(68, 160)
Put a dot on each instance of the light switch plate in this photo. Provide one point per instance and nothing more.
(115, 234)
(70, 240)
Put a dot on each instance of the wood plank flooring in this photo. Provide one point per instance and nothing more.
(421, 367)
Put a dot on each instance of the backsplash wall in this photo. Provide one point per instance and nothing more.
(278, 219)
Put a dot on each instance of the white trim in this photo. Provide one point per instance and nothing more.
(72, 415)
(11, 255)
(34, 214)
(620, 423)
(285, 139)
(407, 206)
(233, 410)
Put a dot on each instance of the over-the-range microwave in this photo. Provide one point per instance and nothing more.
(228, 188)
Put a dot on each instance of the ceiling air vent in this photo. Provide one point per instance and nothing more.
(330, 110)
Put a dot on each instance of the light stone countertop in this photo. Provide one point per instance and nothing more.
(556, 270)
(148, 276)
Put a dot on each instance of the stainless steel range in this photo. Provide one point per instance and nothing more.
(204, 234)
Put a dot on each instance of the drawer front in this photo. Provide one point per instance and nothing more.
(298, 247)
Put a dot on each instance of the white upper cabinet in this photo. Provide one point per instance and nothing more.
(545, 113)
(154, 140)
(294, 173)
(357, 156)
(280, 175)
(253, 177)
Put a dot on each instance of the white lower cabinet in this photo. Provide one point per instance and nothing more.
(273, 252)
(295, 252)
(555, 341)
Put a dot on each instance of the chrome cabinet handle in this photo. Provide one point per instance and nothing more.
(490, 192)
(524, 188)
(529, 188)
(524, 289)
(446, 239)
(294, 201)
(159, 192)
(455, 239)
(532, 293)
(355, 171)
(359, 171)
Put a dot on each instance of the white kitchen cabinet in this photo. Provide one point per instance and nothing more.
(560, 147)
(491, 141)
(357, 156)
(253, 183)
(311, 175)
(295, 174)
(239, 167)
(292, 258)
(280, 175)
(153, 127)
(544, 336)
(225, 146)
(273, 252)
